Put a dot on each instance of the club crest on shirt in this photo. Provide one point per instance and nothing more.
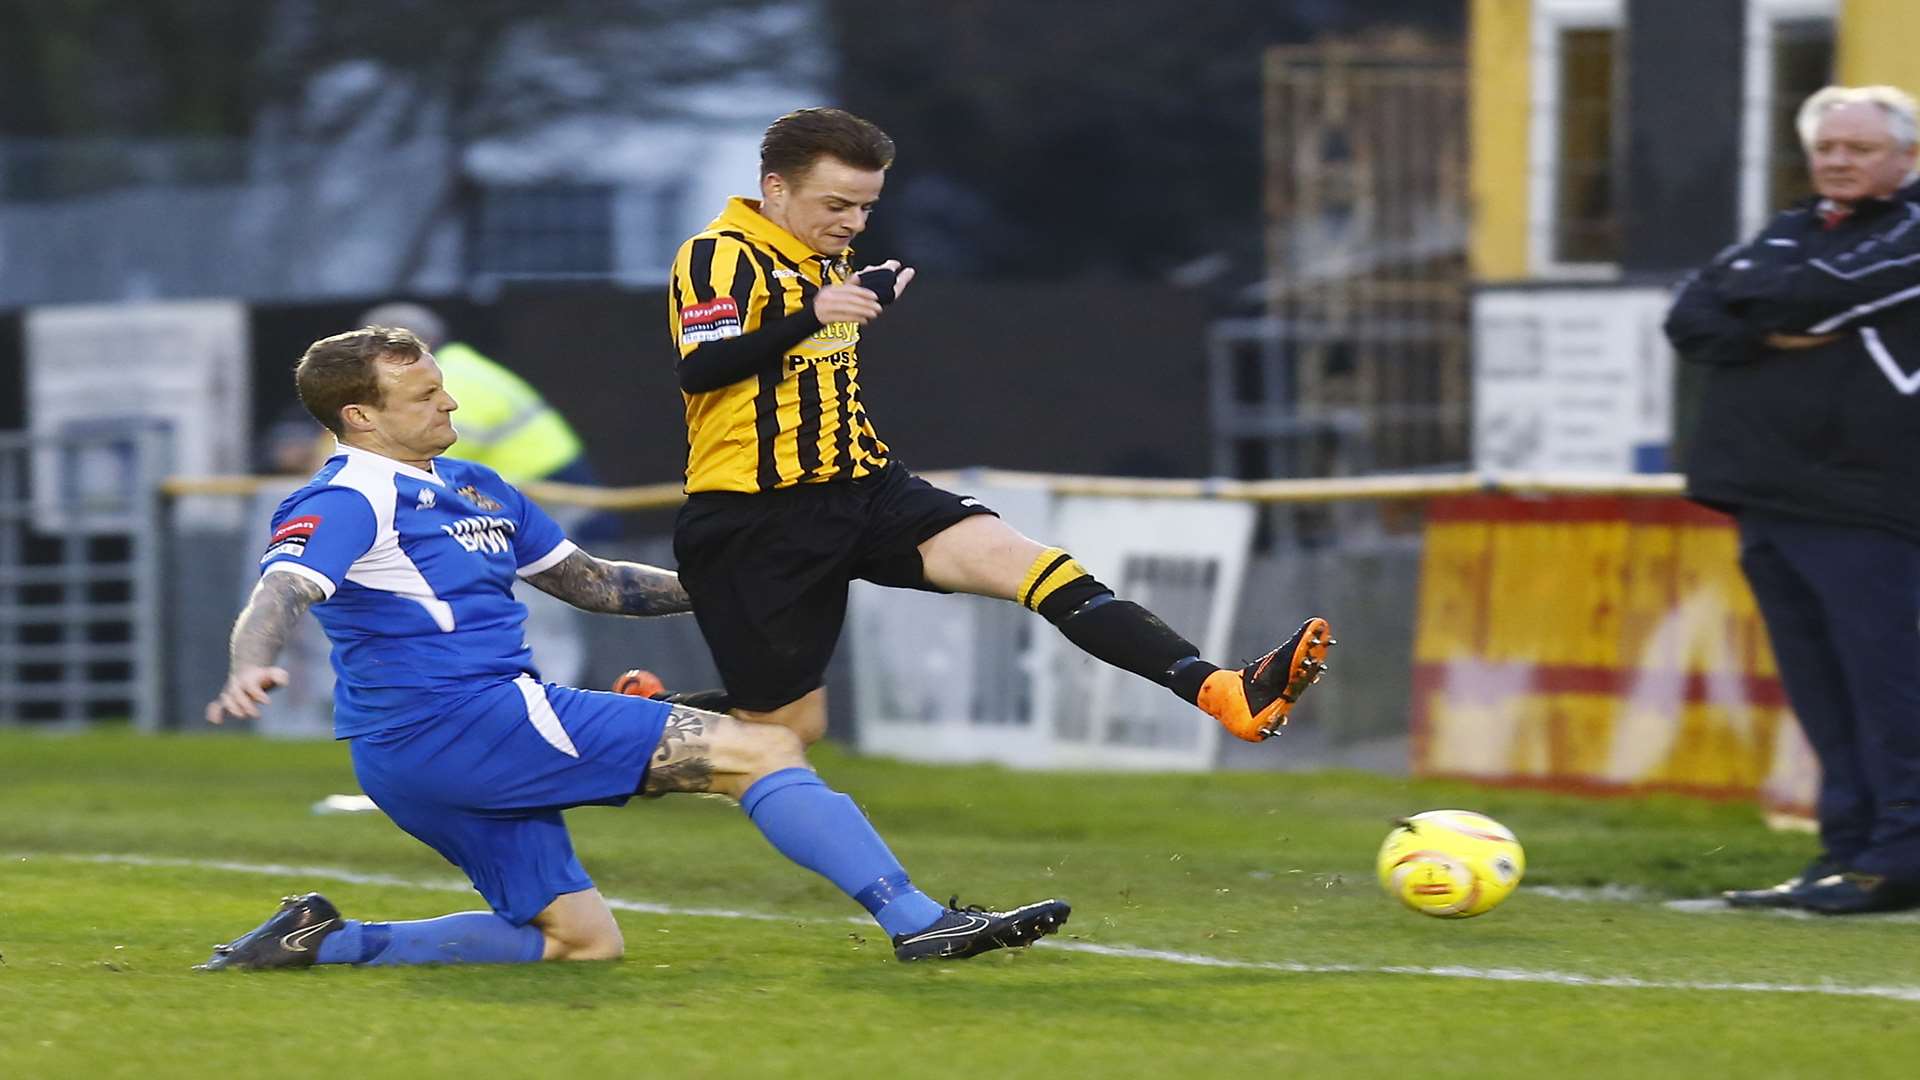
(479, 501)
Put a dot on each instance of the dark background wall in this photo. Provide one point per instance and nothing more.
(1062, 377)
(1684, 66)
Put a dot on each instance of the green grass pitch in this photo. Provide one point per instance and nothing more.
(122, 859)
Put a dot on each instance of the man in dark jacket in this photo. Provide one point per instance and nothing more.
(1809, 433)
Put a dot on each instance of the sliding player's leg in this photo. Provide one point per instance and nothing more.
(764, 766)
(483, 784)
(595, 748)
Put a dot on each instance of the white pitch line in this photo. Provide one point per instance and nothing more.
(1554, 978)
(352, 877)
(1634, 894)
(1128, 952)
(1592, 894)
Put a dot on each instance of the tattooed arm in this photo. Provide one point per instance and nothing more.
(614, 588)
(259, 633)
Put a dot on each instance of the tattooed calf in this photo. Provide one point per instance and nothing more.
(683, 761)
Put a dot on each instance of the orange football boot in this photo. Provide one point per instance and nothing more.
(1253, 702)
(639, 682)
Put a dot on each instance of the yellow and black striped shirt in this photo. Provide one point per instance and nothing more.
(800, 424)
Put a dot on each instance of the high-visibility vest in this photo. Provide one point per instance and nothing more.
(503, 423)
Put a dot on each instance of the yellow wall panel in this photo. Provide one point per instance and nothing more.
(1879, 42)
(1499, 79)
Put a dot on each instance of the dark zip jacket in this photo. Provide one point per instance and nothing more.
(1832, 432)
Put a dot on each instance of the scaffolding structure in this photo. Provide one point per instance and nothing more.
(1360, 364)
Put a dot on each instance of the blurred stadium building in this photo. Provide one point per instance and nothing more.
(1460, 257)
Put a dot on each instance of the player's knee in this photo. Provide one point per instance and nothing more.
(611, 945)
(809, 727)
(806, 717)
(746, 750)
(586, 943)
(773, 747)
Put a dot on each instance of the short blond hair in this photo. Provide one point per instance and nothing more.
(343, 370)
(1895, 103)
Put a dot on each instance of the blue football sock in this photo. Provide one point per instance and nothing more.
(824, 831)
(471, 937)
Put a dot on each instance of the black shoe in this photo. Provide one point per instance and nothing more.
(1854, 893)
(1783, 894)
(290, 938)
(971, 930)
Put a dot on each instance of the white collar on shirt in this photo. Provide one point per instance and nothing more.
(382, 461)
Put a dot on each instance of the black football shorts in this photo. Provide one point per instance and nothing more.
(768, 572)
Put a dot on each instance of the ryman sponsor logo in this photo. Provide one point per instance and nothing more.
(291, 537)
(301, 526)
(709, 321)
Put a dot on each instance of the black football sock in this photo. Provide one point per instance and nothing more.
(709, 700)
(1119, 632)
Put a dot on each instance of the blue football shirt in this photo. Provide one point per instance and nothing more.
(418, 566)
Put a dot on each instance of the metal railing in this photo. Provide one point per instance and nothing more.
(80, 582)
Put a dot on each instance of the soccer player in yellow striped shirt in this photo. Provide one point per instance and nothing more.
(791, 494)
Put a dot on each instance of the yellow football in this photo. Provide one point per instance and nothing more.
(1450, 864)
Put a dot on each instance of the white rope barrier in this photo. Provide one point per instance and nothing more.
(1326, 489)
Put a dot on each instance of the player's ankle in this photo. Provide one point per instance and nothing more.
(1187, 676)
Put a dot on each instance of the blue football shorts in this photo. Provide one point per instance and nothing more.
(484, 782)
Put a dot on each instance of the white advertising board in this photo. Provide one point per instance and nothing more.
(182, 367)
(962, 678)
(1572, 379)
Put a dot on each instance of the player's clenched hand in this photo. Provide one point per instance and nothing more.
(1797, 341)
(889, 280)
(245, 692)
(845, 302)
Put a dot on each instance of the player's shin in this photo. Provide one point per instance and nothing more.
(470, 937)
(1119, 632)
(824, 831)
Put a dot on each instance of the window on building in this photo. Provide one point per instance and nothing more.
(1789, 47)
(1575, 138)
(1586, 221)
(1802, 63)
(542, 232)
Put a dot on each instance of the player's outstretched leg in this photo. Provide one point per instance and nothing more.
(308, 930)
(290, 937)
(1251, 703)
(765, 768)
(971, 930)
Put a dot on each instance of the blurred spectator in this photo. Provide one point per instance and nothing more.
(1809, 433)
(293, 444)
(507, 426)
(504, 423)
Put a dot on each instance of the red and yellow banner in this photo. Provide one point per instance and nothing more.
(1597, 643)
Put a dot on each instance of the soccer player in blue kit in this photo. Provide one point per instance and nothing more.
(408, 560)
